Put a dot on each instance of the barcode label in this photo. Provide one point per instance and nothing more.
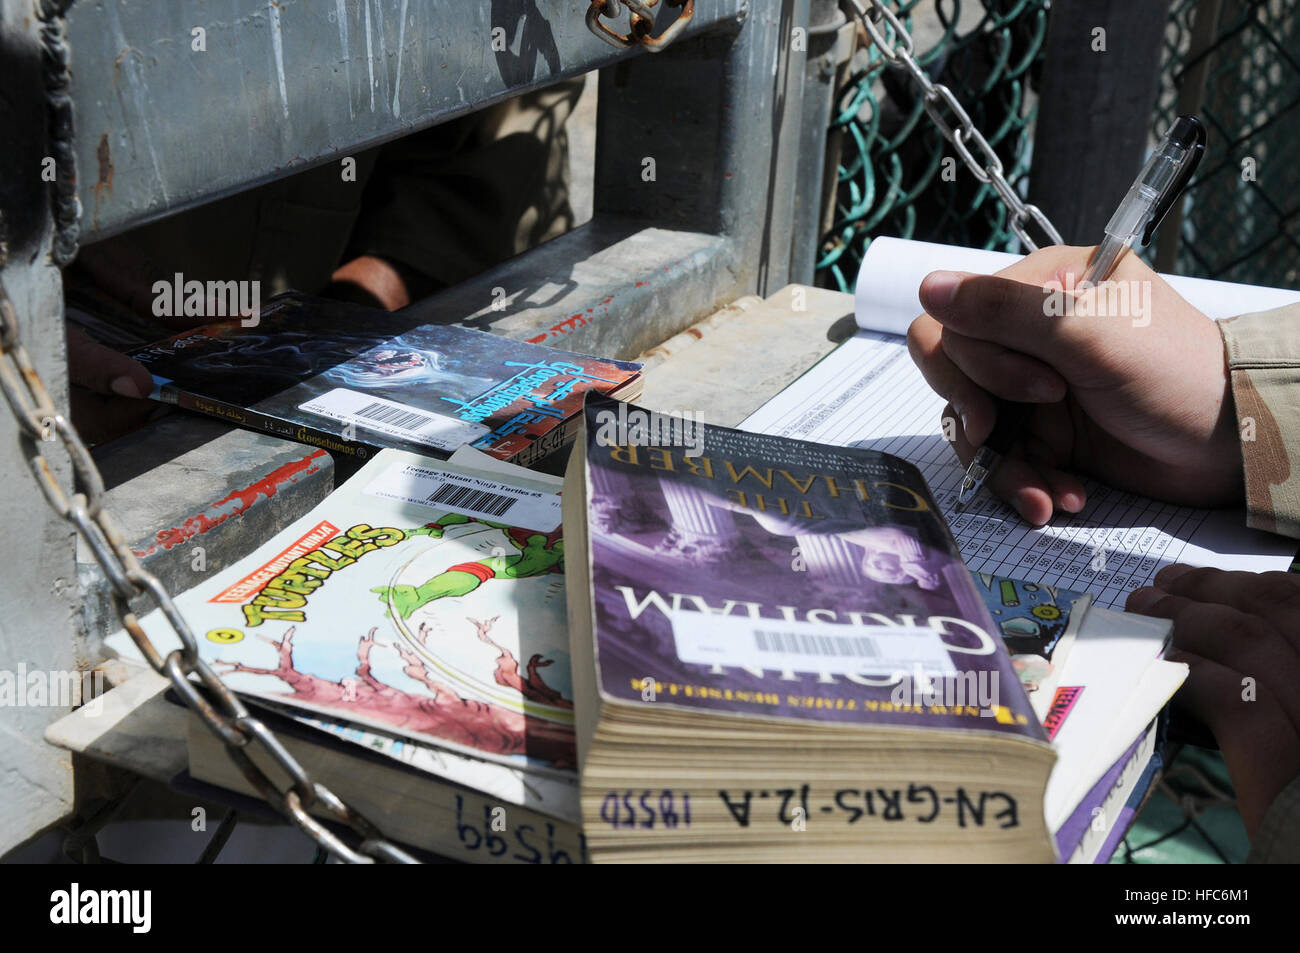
(741, 641)
(454, 496)
(422, 427)
(412, 420)
(452, 492)
(856, 646)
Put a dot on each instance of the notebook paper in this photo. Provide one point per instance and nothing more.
(868, 393)
(892, 270)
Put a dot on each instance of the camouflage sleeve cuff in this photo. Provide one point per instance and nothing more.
(1278, 839)
(1263, 352)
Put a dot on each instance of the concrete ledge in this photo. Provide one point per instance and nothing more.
(737, 359)
(611, 287)
(194, 495)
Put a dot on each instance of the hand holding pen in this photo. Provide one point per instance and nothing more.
(1142, 406)
(1158, 186)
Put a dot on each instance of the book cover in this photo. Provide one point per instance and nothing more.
(551, 793)
(354, 380)
(1038, 624)
(422, 597)
(758, 576)
(463, 822)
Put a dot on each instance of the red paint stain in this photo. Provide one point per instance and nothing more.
(577, 321)
(234, 504)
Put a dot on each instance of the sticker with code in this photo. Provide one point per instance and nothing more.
(469, 495)
(813, 647)
(423, 427)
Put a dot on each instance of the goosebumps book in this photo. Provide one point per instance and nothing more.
(423, 597)
(772, 636)
(354, 379)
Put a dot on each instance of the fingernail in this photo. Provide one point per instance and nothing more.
(1068, 502)
(965, 424)
(126, 386)
(1143, 598)
(939, 288)
(1171, 572)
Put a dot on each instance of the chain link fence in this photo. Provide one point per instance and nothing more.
(896, 177)
(1241, 221)
(1236, 63)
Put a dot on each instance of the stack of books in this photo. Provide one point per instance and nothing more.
(703, 644)
(770, 651)
(783, 658)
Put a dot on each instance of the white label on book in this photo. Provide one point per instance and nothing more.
(706, 638)
(424, 427)
(470, 495)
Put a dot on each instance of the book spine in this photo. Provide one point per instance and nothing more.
(276, 427)
(1100, 814)
(671, 814)
(550, 442)
(1129, 812)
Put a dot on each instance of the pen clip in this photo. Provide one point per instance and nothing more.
(1184, 127)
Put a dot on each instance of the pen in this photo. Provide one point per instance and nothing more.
(1159, 184)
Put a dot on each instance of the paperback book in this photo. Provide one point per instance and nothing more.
(409, 638)
(778, 655)
(423, 598)
(355, 380)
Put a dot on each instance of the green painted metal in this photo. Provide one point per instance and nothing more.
(892, 177)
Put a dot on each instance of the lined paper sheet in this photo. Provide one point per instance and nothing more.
(868, 393)
(892, 270)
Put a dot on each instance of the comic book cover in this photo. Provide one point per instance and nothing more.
(555, 794)
(354, 380)
(423, 597)
(1038, 624)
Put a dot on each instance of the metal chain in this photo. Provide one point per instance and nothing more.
(641, 22)
(963, 134)
(40, 423)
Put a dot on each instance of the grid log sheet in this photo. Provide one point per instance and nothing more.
(868, 393)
